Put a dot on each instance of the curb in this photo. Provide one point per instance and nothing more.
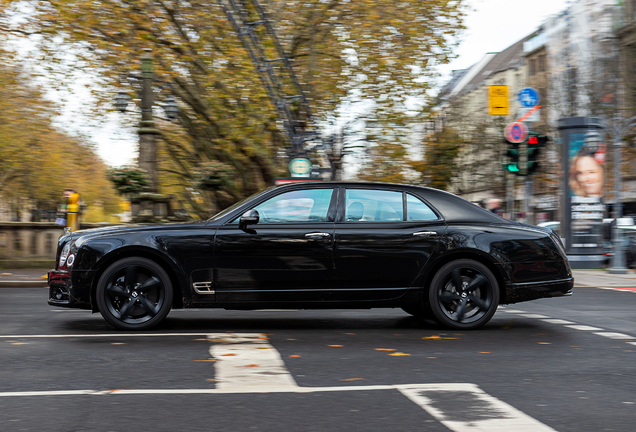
(24, 284)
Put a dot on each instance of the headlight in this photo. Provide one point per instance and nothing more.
(67, 257)
(65, 251)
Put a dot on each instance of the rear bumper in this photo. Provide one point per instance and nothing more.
(519, 292)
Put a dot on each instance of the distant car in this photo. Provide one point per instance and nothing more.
(553, 225)
(316, 246)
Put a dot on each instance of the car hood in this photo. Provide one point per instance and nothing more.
(121, 229)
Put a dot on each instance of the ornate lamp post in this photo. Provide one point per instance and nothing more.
(147, 131)
(149, 206)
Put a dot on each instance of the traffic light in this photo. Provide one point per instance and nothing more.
(535, 143)
(513, 158)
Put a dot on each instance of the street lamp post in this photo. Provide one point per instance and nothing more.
(618, 128)
(149, 206)
(147, 130)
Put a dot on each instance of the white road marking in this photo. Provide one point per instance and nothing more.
(248, 361)
(512, 311)
(583, 327)
(615, 335)
(467, 408)
(557, 321)
(534, 316)
(97, 335)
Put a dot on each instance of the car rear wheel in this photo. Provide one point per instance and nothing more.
(464, 295)
(134, 294)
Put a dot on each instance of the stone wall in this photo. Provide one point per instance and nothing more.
(31, 244)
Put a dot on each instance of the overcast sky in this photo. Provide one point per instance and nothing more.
(492, 26)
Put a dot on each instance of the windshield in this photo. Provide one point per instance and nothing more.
(237, 204)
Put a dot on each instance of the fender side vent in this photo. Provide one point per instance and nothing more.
(203, 287)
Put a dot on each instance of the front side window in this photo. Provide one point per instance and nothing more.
(363, 205)
(297, 206)
(417, 210)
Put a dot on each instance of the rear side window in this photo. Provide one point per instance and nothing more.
(363, 205)
(418, 210)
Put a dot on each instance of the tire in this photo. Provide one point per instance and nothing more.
(134, 294)
(464, 295)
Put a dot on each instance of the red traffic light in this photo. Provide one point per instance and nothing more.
(533, 140)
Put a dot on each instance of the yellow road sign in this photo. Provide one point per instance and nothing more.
(498, 102)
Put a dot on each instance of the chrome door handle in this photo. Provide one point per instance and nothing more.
(424, 233)
(317, 234)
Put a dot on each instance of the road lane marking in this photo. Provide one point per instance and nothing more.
(584, 327)
(460, 407)
(465, 407)
(527, 315)
(248, 361)
(45, 336)
(615, 335)
(557, 321)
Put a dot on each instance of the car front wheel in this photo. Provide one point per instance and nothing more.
(134, 294)
(464, 295)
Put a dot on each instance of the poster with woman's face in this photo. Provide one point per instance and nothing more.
(586, 167)
(587, 186)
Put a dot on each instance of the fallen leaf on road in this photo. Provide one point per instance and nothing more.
(294, 355)
(544, 343)
(212, 379)
(7, 274)
(251, 365)
(432, 357)
(19, 343)
(399, 354)
(335, 346)
(352, 379)
(484, 352)
(292, 339)
(432, 337)
(119, 343)
(218, 340)
(385, 349)
(227, 355)
(200, 339)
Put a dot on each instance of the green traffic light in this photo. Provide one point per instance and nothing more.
(513, 168)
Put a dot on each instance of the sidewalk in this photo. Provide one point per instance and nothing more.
(27, 278)
(36, 278)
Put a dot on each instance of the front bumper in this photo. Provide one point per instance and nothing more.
(65, 289)
(520, 292)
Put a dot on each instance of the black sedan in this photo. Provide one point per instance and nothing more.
(316, 245)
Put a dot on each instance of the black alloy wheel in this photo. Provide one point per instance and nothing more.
(464, 295)
(134, 294)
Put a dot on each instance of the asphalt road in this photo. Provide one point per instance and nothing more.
(562, 364)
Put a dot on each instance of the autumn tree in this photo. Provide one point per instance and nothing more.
(440, 162)
(38, 161)
(384, 50)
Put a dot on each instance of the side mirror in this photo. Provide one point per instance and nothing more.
(250, 217)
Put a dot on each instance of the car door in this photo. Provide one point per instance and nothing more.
(383, 238)
(286, 256)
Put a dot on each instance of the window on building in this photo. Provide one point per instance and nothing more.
(533, 67)
(542, 63)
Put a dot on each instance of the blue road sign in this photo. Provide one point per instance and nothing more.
(529, 97)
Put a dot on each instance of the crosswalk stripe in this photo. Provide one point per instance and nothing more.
(467, 408)
(248, 361)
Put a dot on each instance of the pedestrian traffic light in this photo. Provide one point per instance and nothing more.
(535, 143)
(513, 158)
